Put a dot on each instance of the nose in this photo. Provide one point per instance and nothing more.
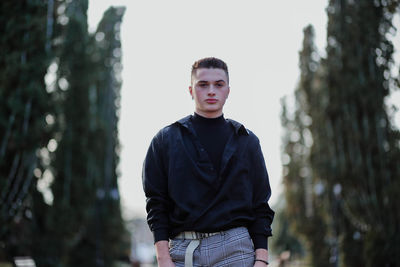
(211, 90)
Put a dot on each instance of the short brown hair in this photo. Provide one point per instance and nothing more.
(210, 63)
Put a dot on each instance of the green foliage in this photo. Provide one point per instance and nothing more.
(364, 143)
(104, 236)
(284, 238)
(74, 192)
(73, 138)
(85, 188)
(24, 104)
(305, 204)
(354, 146)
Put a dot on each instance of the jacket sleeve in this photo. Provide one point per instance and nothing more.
(155, 186)
(260, 228)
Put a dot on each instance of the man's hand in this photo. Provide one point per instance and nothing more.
(162, 252)
(261, 254)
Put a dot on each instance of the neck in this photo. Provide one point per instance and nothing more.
(210, 115)
(199, 117)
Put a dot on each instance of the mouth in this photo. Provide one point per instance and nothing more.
(211, 100)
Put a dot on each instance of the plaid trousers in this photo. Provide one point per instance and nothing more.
(231, 248)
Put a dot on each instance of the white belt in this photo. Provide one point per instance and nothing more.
(194, 243)
(195, 235)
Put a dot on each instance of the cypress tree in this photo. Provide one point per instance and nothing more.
(104, 241)
(305, 204)
(24, 106)
(364, 146)
(73, 189)
(115, 237)
(354, 146)
(73, 137)
(86, 195)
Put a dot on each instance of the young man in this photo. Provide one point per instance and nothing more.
(206, 183)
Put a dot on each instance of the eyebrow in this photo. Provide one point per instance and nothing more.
(202, 81)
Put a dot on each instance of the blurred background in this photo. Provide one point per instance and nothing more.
(85, 85)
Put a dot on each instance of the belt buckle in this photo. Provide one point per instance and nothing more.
(200, 235)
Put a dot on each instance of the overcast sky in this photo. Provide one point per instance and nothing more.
(258, 39)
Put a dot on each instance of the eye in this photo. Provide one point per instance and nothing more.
(220, 85)
(203, 85)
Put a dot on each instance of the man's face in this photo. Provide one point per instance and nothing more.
(209, 90)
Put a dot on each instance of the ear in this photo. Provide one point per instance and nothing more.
(191, 91)
(229, 90)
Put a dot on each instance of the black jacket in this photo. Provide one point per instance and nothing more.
(185, 193)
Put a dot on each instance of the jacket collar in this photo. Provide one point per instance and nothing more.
(239, 128)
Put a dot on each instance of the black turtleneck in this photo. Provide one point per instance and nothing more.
(213, 134)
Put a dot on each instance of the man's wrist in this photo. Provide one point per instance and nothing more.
(261, 260)
(162, 251)
(262, 255)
